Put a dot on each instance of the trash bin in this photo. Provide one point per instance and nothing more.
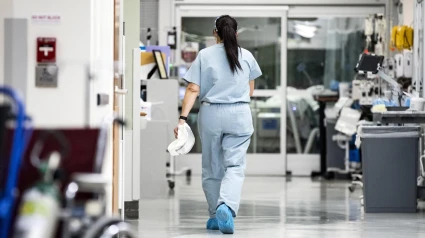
(334, 154)
(390, 158)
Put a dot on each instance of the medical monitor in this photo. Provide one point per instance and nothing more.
(369, 63)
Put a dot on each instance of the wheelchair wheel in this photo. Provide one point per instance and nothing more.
(100, 227)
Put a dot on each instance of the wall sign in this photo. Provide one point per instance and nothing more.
(46, 18)
(46, 70)
(46, 50)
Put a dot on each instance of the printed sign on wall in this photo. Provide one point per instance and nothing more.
(46, 18)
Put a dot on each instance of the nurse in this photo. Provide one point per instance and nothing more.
(223, 77)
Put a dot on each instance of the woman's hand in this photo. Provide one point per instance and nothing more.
(190, 96)
(176, 130)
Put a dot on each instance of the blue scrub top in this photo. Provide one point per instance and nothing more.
(211, 71)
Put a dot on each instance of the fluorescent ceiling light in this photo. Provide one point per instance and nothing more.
(305, 30)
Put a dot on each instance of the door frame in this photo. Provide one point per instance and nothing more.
(119, 109)
(258, 164)
(115, 132)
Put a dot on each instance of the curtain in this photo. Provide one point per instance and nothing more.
(345, 42)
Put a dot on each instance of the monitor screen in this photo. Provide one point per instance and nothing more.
(370, 63)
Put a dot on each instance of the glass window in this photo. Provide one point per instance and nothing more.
(266, 122)
(321, 51)
(261, 36)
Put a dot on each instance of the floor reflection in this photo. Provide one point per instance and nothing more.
(276, 207)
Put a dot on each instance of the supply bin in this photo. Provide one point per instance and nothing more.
(334, 154)
(390, 157)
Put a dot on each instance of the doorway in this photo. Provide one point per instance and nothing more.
(261, 30)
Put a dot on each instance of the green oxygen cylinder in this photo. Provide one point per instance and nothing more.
(40, 208)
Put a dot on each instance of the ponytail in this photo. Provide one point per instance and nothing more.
(226, 28)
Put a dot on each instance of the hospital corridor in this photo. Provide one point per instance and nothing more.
(278, 207)
(212, 118)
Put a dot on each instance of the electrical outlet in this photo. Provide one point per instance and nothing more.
(102, 99)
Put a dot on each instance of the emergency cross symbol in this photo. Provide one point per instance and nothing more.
(46, 50)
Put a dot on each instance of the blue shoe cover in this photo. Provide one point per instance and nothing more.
(212, 224)
(225, 219)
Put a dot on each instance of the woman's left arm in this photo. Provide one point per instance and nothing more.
(192, 92)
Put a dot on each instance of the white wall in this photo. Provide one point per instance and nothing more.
(408, 12)
(102, 65)
(132, 40)
(84, 42)
(62, 106)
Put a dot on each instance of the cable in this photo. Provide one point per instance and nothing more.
(39, 145)
(20, 138)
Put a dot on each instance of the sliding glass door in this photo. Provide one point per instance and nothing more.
(300, 51)
(261, 30)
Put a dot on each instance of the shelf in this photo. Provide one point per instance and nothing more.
(402, 117)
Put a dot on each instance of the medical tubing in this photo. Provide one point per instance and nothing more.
(38, 147)
(310, 140)
(18, 146)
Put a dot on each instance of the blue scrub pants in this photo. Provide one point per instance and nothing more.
(225, 131)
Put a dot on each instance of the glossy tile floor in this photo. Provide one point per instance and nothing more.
(277, 207)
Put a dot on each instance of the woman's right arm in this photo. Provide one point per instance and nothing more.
(193, 77)
(192, 92)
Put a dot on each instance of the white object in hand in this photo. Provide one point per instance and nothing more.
(184, 142)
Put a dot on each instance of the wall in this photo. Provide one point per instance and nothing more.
(166, 13)
(132, 36)
(102, 61)
(84, 46)
(149, 19)
(62, 106)
(408, 12)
